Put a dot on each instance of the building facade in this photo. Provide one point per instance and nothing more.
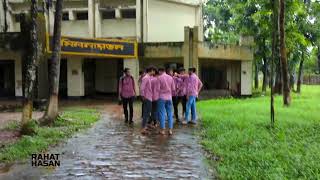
(168, 33)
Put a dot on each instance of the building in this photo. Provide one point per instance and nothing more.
(159, 32)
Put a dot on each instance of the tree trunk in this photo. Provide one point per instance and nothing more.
(319, 59)
(300, 73)
(52, 108)
(265, 75)
(5, 10)
(283, 56)
(256, 76)
(278, 83)
(274, 43)
(30, 75)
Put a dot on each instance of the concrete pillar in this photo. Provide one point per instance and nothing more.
(18, 77)
(199, 22)
(186, 48)
(133, 64)
(138, 20)
(91, 18)
(246, 77)
(195, 44)
(97, 20)
(75, 77)
(72, 15)
(51, 21)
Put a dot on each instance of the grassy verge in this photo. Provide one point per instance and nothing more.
(237, 132)
(71, 121)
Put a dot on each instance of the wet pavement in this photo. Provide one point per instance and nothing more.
(113, 150)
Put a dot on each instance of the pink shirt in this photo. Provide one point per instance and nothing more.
(194, 85)
(176, 81)
(181, 86)
(166, 86)
(126, 87)
(145, 87)
(155, 90)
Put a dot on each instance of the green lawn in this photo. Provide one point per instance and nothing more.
(237, 132)
(71, 121)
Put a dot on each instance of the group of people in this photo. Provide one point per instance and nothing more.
(161, 91)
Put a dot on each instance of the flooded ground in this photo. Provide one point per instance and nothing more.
(113, 150)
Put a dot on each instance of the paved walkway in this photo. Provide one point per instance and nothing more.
(113, 150)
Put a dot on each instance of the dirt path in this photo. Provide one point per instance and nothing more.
(113, 150)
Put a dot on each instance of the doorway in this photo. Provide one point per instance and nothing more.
(7, 78)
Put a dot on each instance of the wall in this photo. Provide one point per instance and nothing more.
(118, 28)
(227, 52)
(75, 77)
(246, 77)
(166, 21)
(75, 28)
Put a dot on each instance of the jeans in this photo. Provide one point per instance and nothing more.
(155, 112)
(147, 107)
(165, 111)
(191, 104)
(125, 102)
(176, 100)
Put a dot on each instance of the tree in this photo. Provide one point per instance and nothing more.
(31, 65)
(54, 73)
(283, 55)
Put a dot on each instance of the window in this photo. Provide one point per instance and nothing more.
(82, 15)
(17, 17)
(108, 14)
(65, 16)
(128, 13)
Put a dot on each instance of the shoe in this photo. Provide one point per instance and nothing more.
(193, 122)
(126, 121)
(131, 122)
(144, 131)
(184, 122)
(162, 132)
(170, 132)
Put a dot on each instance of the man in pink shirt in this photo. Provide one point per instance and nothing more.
(127, 92)
(180, 95)
(166, 87)
(193, 87)
(155, 98)
(146, 95)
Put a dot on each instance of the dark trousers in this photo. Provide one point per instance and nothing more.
(125, 103)
(147, 108)
(155, 112)
(176, 100)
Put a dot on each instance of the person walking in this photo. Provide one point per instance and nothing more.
(146, 95)
(193, 87)
(127, 93)
(166, 87)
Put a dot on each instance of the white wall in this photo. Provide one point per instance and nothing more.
(75, 28)
(75, 77)
(246, 77)
(166, 21)
(118, 28)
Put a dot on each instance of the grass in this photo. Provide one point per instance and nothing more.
(71, 121)
(237, 132)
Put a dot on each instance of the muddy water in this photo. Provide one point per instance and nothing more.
(113, 150)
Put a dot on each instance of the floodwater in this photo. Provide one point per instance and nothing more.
(114, 150)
